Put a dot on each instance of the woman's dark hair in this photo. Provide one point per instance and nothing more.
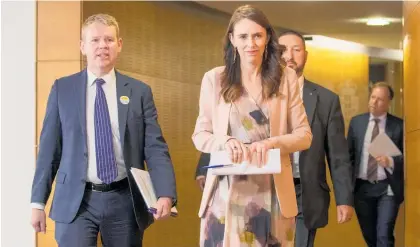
(271, 69)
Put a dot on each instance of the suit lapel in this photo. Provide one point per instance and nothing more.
(274, 108)
(123, 89)
(223, 114)
(388, 126)
(80, 92)
(364, 125)
(223, 111)
(309, 100)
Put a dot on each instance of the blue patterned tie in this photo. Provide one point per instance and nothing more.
(105, 157)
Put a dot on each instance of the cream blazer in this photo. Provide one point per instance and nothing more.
(289, 129)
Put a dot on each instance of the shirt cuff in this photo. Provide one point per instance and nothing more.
(390, 168)
(37, 205)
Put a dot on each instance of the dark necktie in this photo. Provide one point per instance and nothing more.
(372, 169)
(105, 157)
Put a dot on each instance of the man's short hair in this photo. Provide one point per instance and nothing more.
(385, 85)
(105, 19)
(291, 32)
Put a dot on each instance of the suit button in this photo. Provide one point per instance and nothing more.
(85, 154)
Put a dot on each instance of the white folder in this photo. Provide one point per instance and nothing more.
(382, 145)
(144, 183)
(245, 168)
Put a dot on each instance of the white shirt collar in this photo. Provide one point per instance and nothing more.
(108, 78)
(381, 118)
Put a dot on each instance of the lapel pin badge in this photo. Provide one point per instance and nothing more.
(124, 100)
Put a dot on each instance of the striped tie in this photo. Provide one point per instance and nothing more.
(105, 157)
(372, 169)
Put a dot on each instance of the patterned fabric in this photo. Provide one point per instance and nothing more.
(244, 209)
(105, 156)
(372, 169)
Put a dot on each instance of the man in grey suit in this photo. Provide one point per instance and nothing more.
(98, 124)
(309, 169)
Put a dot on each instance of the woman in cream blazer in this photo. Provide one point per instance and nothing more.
(289, 128)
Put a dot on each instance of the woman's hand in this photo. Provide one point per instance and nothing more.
(260, 148)
(237, 151)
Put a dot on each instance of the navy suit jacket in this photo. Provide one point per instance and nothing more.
(395, 130)
(203, 161)
(63, 146)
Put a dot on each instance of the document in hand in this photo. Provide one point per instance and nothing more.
(382, 145)
(245, 168)
(144, 183)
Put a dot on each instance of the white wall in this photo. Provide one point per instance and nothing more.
(18, 46)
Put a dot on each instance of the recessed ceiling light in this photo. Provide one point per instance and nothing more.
(377, 22)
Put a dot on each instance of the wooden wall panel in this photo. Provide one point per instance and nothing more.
(408, 8)
(58, 55)
(164, 42)
(58, 31)
(412, 120)
(412, 189)
(411, 68)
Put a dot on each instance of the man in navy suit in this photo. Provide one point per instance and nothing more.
(98, 124)
(379, 181)
(200, 173)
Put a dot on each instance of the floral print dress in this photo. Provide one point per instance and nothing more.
(242, 209)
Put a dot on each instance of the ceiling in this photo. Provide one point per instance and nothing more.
(336, 19)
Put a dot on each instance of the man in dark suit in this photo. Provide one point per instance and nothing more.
(309, 169)
(98, 124)
(379, 181)
(200, 174)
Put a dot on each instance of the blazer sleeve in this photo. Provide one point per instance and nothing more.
(352, 148)
(156, 151)
(203, 137)
(337, 154)
(50, 148)
(300, 136)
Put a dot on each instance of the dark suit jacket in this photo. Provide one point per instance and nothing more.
(325, 117)
(63, 146)
(395, 130)
(203, 161)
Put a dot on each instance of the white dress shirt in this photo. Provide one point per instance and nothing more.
(295, 160)
(110, 90)
(365, 153)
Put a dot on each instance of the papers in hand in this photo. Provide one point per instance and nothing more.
(144, 183)
(382, 145)
(245, 168)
